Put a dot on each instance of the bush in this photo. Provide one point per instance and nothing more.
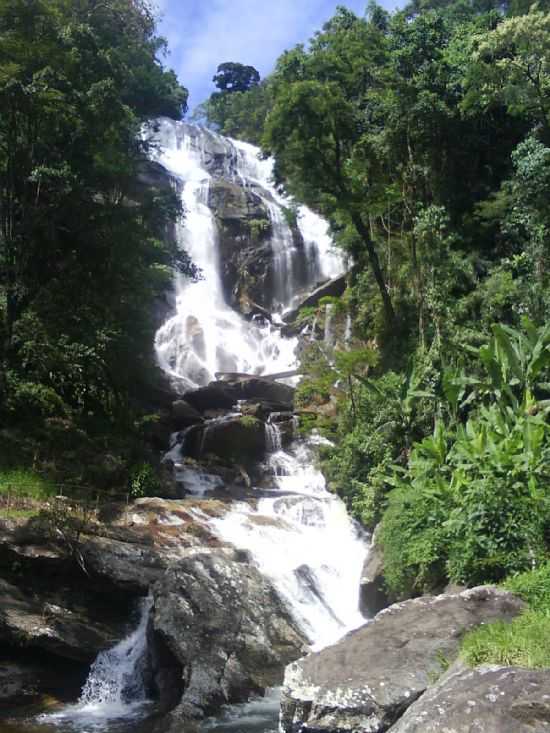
(473, 504)
(144, 481)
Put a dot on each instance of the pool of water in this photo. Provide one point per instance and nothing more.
(257, 716)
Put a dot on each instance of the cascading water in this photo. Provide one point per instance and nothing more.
(304, 541)
(205, 335)
(299, 534)
(115, 687)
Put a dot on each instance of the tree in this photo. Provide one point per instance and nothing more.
(81, 243)
(317, 125)
(235, 77)
(512, 65)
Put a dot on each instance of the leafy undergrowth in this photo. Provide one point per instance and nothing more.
(524, 642)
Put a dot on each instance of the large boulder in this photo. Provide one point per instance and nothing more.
(241, 440)
(227, 628)
(488, 699)
(366, 681)
(332, 288)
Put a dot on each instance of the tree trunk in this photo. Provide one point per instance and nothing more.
(363, 232)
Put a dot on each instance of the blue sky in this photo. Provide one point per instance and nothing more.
(204, 33)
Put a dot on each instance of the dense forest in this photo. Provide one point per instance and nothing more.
(423, 137)
(83, 251)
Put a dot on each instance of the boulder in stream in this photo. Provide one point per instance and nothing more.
(364, 683)
(226, 626)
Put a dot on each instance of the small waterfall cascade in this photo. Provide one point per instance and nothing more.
(303, 540)
(273, 437)
(116, 685)
(329, 331)
(117, 675)
(206, 335)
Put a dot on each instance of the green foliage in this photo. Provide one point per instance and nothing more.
(472, 504)
(83, 251)
(144, 481)
(525, 642)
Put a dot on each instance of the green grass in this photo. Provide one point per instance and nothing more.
(21, 483)
(525, 642)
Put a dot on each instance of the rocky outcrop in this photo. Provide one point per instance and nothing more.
(239, 439)
(37, 623)
(365, 682)
(225, 394)
(373, 596)
(227, 628)
(488, 699)
(244, 229)
(218, 631)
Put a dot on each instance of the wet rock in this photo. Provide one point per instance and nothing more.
(215, 396)
(488, 699)
(224, 395)
(367, 680)
(17, 681)
(240, 440)
(227, 628)
(184, 415)
(373, 595)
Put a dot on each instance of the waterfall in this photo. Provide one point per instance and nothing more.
(206, 335)
(298, 533)
(117, 675)
(273, 437)
(116, 684)
(329, 333)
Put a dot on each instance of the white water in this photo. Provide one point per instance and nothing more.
(303, 540)
(205, 335)
(115, 687)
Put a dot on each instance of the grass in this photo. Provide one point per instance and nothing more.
(524, 642)
(26, 483)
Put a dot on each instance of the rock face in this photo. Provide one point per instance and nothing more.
(332, 288)
(223, 395)
(364, 683)
(227, 628)
(244, 228)
(373, 596)
(487, 699)
(218, 630)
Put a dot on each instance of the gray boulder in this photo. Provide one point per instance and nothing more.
(488, 699)
(366, 681)
(227, 628)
